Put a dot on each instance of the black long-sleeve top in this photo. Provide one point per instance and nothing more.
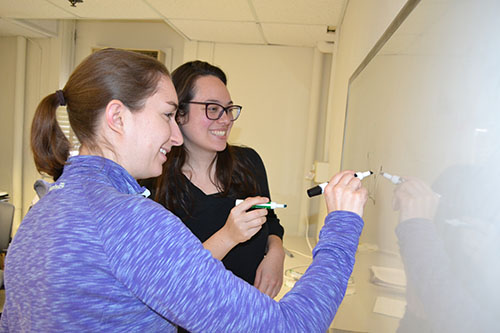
(210, 212)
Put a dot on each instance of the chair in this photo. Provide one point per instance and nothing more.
(6, 219)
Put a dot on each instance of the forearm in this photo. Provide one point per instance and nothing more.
(269, 274)
(275, 247)
(219, 244)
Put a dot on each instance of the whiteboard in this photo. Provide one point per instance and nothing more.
(425, 105)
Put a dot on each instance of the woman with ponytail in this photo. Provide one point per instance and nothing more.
(95, 255)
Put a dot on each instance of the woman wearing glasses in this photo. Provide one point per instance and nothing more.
(202, 179)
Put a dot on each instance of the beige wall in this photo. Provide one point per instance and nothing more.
(272, 83)
(129, 35)
(280, 77)
(32, 68)
(43, 67)
(363, 24)
(12, 104)
(7, 92)
(47, 63)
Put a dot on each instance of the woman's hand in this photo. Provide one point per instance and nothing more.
(345, 192)
(240, 226)
(269, 275)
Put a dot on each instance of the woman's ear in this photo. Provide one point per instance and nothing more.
(182, 118)
(115, 115)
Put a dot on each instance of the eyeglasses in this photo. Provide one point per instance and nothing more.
(214, 111)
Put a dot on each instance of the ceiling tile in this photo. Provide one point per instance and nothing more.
(214, 10)
(296, 34)
(284, 22)
(299, 11)
(217, 31)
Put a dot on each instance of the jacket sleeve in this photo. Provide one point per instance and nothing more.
(162, 263)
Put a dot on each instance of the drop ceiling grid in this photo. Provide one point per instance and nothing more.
(216, 31)
(89, 9)
(109, 9)
(299, 11)
(296, 34)
(284, 22)
(214, 10)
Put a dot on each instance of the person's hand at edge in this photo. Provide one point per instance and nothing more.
(345, 192)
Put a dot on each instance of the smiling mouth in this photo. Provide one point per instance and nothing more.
(219, 133)
(163, 151)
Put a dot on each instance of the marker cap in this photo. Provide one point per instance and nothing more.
(314, 191)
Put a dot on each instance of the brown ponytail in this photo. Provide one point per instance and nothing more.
(49, 144)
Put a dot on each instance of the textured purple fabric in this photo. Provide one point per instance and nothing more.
(95, 255)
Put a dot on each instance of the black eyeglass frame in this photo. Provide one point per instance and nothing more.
(224, 109)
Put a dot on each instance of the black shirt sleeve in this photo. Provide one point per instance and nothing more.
(273, 222)
(208, 213)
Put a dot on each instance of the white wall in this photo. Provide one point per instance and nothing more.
(363, 24)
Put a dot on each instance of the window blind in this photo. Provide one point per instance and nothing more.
(63, 120)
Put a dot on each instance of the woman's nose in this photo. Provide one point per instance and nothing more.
(176, 136)
(225, 118)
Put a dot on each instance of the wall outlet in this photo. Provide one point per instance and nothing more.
(322, 173)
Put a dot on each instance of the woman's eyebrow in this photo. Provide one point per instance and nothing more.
(218, 102)
(173, 104)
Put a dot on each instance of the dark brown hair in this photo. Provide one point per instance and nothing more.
(103, 76)
(233, 173)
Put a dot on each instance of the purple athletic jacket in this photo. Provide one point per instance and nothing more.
(95, 255)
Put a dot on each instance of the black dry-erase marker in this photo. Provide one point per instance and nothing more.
(318, 189)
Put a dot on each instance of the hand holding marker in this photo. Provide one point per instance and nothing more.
(318, 189)
(269, 205)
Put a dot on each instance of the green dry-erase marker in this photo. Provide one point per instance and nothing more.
(269, 205)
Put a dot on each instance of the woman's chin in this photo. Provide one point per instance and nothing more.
(152, 173)
(221, 147)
